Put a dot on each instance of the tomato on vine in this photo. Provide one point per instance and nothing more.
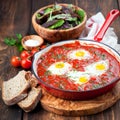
(25, 54)
(34, 50)
(15, 61)
(26, 63)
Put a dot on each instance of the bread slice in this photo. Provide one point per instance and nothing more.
(15, 89)
(31, 101)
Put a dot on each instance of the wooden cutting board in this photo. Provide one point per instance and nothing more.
(77, 108)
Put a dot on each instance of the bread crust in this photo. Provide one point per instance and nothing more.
(15, 99)
(21, 94)
(31, 78)
(34, 88)
(29, 93)
(30, 106)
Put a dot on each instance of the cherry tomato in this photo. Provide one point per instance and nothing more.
(26, 63)
(43, 46)
(25, 54)
(16, 61)
(34, 50)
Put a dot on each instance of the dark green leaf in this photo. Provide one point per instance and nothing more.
(19, 47)
(47, 73)
(38, 16)
(103, 56)
(10, 41)
(19, 36)
(81, 14)
(48, 10)
(77, 22)
(70, 6)
(61, 86)
(59, 56)
(57, 24)
(62, 16)
(72, 19)
(14, 42)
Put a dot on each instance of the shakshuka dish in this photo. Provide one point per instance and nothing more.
(77, 67)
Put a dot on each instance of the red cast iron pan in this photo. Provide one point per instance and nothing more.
(89, 94)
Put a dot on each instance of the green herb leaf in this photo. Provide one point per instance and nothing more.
(15, 42)
(48, 10)
(81, 14)
(77, 22)
(70, 6)
(19, 47)
(72, 19)
(61, 86)
(10, 41)
(19, 36)
(57, 24)
(103, 56)
(38, 16)
(61, 16)
(47, 73)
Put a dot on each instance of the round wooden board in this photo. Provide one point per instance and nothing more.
(77, 108)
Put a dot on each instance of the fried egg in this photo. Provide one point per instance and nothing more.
(78, 77)
(98, 68)
(59, 68)
(79, 54)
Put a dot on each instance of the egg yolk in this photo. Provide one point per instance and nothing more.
(83, 79)
(100, 67)
(59, 65)
(80, 53)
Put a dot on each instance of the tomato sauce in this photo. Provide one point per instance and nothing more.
(59, 53)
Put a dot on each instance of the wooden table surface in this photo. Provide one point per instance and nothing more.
(15, 17)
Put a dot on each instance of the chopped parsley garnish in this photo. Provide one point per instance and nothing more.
(47, 73)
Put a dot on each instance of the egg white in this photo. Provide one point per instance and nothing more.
(98, 68)
(78, 77)
(79, 54)
(59, 68)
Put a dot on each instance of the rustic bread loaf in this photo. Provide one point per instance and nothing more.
(15, 89)
(31, 101)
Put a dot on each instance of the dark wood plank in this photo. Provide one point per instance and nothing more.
(14, 18)
(118, 3)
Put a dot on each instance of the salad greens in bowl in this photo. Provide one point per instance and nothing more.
(59, 22)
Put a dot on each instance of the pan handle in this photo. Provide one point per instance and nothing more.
(112, 15)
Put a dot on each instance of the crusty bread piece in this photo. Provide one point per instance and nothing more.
(31, 101)
(15, 89)
(31, 78)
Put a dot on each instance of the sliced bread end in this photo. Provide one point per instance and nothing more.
(15, 89)
(31, 101)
